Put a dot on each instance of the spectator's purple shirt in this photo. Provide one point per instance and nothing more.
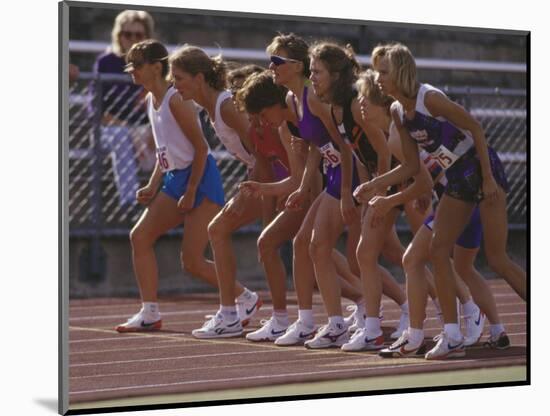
(119, 99)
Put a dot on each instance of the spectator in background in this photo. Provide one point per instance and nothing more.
(124, 120)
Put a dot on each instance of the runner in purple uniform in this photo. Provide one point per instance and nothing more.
(425, 117)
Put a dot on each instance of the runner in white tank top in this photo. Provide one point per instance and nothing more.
(174, 149)
(203, 79)
(185, 186)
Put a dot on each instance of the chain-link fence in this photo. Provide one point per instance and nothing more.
(111, 150)
(112, 154)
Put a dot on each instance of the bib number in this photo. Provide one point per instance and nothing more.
(164, 159)
(330, 154)
(444, 157)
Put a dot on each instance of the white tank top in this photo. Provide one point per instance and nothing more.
(174, 150)
(228, 136)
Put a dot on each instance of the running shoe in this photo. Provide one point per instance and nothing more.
(473, 327)
(296, 334)
(247, 305)
(269, 331)
(329, 336)
(217, 327)
(360, 341)
(404, 347)
(140, 322)
(501, 342)
(446, 348)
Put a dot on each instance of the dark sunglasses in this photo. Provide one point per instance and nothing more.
(135, 35)
(130, 66)
(279, 60)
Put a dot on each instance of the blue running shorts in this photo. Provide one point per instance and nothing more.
(174, 183)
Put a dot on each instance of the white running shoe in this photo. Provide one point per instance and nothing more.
(270, 331)
(397, 349)
(329, 336)
(355, 320)
(296, 334)
(361, 342)
(403, 325)
(473, 327)
(446, 348)
(217, 327)
(248, 307)
(140, 322)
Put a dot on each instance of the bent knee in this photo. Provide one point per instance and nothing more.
(191, 264)
(319, 249)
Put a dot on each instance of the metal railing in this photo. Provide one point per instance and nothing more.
(108, 160)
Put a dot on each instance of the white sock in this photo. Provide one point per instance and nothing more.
(229, 313)
(306, 316)
(453, 331)
(281, 316)
(416, 335)
(361, 304)
(336, 321)
(372, 325)
(246, 295)
(496, 330)
(405, 307)
(151, 308)
(469, 308)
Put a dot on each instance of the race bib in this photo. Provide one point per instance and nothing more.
(165, 161)
(444, 157)
(330, 154)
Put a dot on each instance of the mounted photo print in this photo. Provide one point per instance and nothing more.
(273, 207)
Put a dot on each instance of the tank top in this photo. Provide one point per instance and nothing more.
(313, 130)
(174, 150)
(268, 145)
(436, 135)
(354, 135)
(229, 137)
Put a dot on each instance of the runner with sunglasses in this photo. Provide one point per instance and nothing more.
(261, 96)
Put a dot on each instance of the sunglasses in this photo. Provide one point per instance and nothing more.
(132, 35)
(279, 60)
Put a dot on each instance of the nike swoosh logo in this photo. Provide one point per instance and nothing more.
(367, 340)
(234, 323)
(277, 332)
(249, 311)
(302, 335)
(452, 347)
(144, 325)
(478, 318)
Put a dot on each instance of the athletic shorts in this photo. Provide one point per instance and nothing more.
(465, 179)
(333, 184)
(471, 236)
(174, 183)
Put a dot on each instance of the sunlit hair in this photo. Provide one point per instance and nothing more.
(126, 17)
(294, 46)
(259, 91)
(237, 76)
(195, 61)
(343, 68)
(402, 67)
(366, 86)
(148, 52)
